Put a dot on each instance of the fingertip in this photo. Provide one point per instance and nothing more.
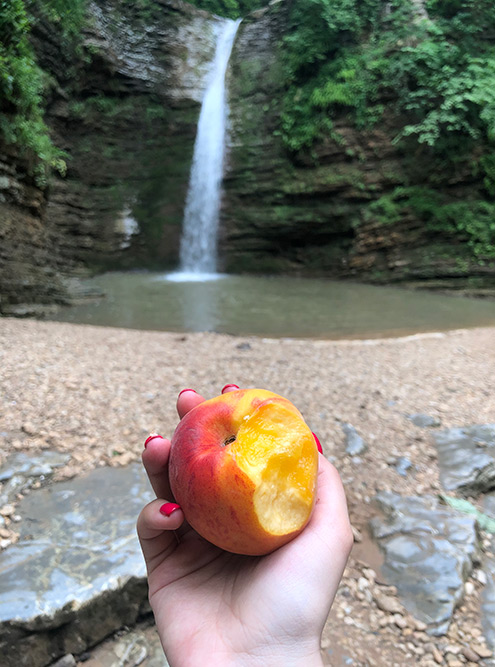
(153, 521)
(169, 508)
(187, 400)
(156, 450)
(152, 436)
(229, 387)
(318, 443)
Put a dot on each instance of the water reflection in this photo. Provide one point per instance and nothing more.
(273, 306)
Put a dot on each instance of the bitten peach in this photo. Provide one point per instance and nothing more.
(243, 467)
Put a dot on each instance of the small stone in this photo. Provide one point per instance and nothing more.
(362, 584)
(469, 588)
(355, 444)
(357, 535)
(437, 656)
(452, 648)
(369, 574)
(482, 651)
(469, 654)
(400, 621)
(419, 625)
(386, 603)
(67, 661)
(7, 510)
(453, 661)
(423, 421)
(480, 576)
(29, 428)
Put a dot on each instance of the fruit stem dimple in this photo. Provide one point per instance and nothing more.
(228, 441)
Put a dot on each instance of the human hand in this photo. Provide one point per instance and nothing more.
(213, 607)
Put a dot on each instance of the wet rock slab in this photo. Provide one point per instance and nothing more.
(139, 646)
(466, 458)
(77, 573)
(22, 470)
(488, 595)
(429, 553)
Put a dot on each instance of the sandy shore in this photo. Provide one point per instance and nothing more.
(96, 393)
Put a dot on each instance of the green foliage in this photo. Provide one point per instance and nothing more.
(67, 16)
(486, 166)
(438, 74)
(473, 220)
(485, 521)
(22, 82)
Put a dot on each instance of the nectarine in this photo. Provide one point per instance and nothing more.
(243, 467)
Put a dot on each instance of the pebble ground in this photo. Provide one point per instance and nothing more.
(97, 393)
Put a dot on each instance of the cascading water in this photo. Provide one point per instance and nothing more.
(198, 252)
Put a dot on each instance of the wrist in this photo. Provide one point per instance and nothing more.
(272, 655)
(259, 656)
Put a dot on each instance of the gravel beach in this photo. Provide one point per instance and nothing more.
(96, 393)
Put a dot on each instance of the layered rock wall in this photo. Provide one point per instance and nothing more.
(125, 111)
(310, 213)
(125, 108)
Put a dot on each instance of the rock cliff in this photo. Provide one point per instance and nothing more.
(313, 213)
(125, 111)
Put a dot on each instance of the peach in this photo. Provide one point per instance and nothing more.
(243, 467)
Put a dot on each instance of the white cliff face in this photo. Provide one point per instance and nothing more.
(172, 56)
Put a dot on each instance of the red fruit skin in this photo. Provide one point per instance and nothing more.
(215, 495)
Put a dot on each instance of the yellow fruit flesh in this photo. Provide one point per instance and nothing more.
(276, 449)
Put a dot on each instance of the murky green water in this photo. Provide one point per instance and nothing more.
(274, 307)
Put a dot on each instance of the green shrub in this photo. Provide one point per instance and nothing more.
(437, 74)
(472, 220)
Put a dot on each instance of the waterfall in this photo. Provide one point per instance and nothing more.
(198, 251)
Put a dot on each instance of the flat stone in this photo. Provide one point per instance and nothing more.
(140, 646)
(77, 568)
(402, 464)
(489, 504)
(355, 445)
(488, 593)
(466, 458)
(429, 553)
(488, 603)
(424, 421)
(21, 470)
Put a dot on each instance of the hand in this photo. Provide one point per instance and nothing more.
(216, 608)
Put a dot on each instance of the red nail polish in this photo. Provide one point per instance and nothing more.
(318, 444)
(151, 437)
(227, 386)
(180, 393)
(169, 508)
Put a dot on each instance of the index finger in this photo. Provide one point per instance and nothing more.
(155, 461)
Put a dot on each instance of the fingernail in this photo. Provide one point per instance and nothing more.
(227, 386)
(151, 437)
(169, 508)
(180, 393)
(318, 444)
